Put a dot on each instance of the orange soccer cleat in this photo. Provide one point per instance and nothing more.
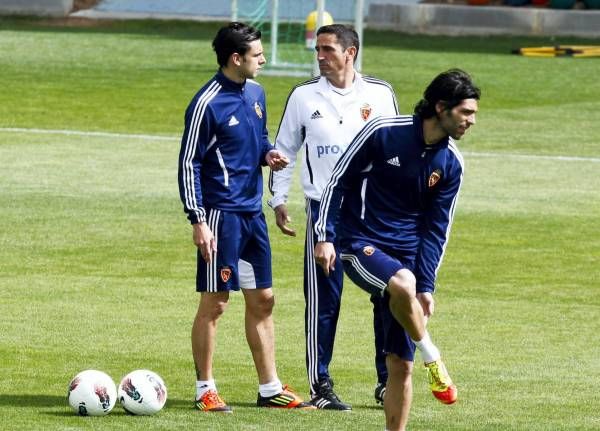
(286, 399)
(212, 402)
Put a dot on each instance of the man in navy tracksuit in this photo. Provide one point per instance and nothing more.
(223, 148)
(389, 205)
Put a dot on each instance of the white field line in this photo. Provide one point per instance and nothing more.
(175, 138)
(533, 157)
(80, 133)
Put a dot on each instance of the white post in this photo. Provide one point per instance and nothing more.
(358, 26)
(274, 31)
(234, 10)
(320, 13)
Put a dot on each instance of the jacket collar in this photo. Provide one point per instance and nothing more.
(323, 87)
(418, 124)
(228, 83)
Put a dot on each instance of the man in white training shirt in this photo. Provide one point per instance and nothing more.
(322, 116)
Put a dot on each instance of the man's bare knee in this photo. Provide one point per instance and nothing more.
(260, 303)
(403, 285)
(265, 306)
(212, 307)
(398, 367)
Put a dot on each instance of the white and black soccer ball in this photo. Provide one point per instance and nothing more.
(92, 393)
(142, 392)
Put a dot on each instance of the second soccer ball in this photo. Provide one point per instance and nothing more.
(142, 392)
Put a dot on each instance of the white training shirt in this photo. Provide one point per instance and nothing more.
(323, 121)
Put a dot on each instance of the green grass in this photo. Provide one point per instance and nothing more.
(97, 263)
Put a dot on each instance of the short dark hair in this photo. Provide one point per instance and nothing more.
(450, 88)
(346, 36)
(234, 37)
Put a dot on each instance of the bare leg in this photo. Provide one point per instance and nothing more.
(404, 305)
(260, 332)
(398, 396)
(211, 307)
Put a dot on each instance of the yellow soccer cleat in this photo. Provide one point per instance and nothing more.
(440, 382)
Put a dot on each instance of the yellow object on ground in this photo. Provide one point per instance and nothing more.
(560, 51)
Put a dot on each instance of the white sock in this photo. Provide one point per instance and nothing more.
(269, 389)
(429, 352)
(203, 386)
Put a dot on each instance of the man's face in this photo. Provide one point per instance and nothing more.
(252, 61)
(456, 121)
(333, 59)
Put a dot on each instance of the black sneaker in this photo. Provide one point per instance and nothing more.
(379, 393)
(326, 399)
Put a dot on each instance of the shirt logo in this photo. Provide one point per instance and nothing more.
(434, 178)
(365, 111)
(368, 250)
(316, 115)
(225, 274)
(257, 109)
(394, 161)
(233, 121)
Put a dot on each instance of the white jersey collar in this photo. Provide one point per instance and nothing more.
(323, 87)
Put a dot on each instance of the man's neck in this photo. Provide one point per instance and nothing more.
(233, 75)
(345, 80)
(432, 132)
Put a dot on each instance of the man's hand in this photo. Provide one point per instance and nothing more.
(427, 303)
(325, 256)
(204, 240)
(282, 219)
(276, 160)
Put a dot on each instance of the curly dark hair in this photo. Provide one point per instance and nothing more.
(449, 88)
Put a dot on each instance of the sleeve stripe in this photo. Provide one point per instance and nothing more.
(454, 149)
(373, 80)
(448, 228)
(452, 146)
(344, 161)
(190, 149)
(310, 81)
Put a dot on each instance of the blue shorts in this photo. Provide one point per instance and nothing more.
(371, 269)
(243, 257)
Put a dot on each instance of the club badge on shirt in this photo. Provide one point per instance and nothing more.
(257, 110)
(365, 111)
(434, 178)
(368, 250)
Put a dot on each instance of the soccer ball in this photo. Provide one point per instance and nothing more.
(92, 393)
(142, 392)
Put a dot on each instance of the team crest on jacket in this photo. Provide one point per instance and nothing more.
(365, 111)
(368, 250)
(225, 274)
(257, 109)
(434, 178)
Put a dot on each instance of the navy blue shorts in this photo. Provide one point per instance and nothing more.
(371, 269)
(243, 257)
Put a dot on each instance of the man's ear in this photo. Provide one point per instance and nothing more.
(440, 107)
(236, 59)
(351, 51)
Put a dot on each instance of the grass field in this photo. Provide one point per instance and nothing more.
(97, 263)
